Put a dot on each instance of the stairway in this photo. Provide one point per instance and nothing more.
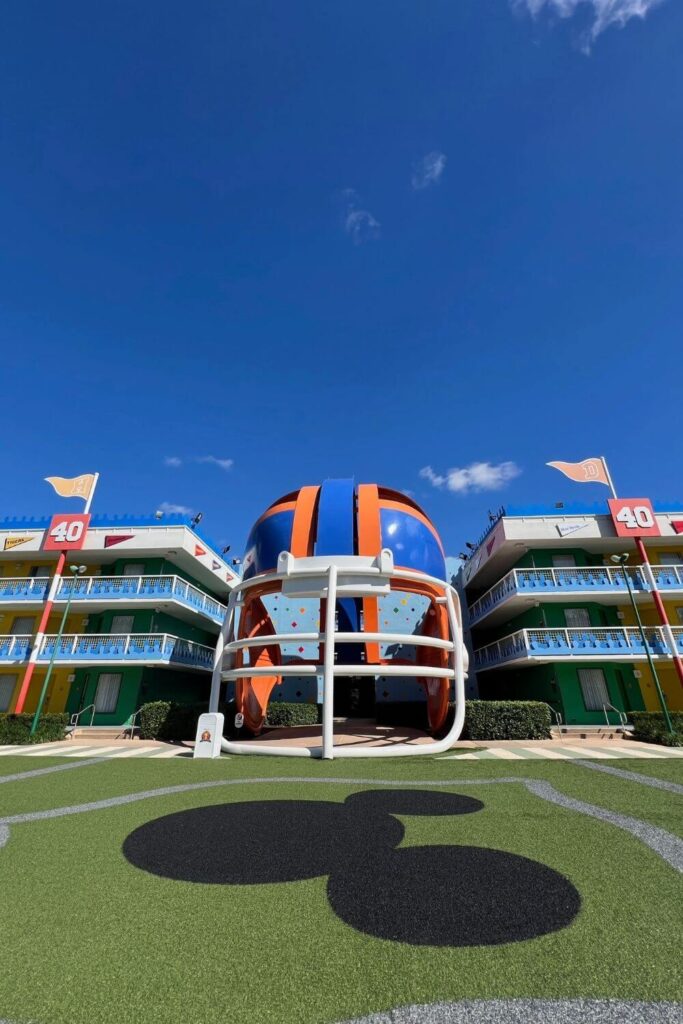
(106, 733)
(590, 732)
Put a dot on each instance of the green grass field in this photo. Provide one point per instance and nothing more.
(88, 937)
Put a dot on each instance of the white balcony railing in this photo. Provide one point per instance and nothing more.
(586, 644)
(114, 588)
(110, 648)
(573, 580)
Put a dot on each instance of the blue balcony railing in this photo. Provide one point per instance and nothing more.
(130, 589)
(115, 648)
(587, 582)
(618, 643)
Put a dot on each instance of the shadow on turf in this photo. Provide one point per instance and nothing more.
(422, 895)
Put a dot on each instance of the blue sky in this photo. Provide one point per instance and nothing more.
(280, 242)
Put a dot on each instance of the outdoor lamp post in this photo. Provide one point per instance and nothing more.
(76, 570)
(622, 560)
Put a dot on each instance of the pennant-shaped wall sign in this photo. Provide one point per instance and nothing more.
(14, 542)
(116, 538)
(678, 526)
(199, 550)
(215, 564)
(564, 529)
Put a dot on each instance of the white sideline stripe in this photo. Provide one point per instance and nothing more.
(504, 754)
(169, 753)
(641, 753)
(129, 753)
(595, 752)
(550, 755)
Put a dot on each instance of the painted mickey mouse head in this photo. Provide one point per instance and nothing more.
(422, 895)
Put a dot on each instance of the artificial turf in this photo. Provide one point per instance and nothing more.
(89, 936)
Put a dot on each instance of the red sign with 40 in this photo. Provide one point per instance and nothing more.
(633, 517)
(66, 532)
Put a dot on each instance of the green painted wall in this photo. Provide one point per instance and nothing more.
(542, 558)
(548, 615)
(559, 686)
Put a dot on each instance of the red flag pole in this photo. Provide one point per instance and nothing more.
(38, 639)
(656, 595)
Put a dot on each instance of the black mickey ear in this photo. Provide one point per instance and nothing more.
(411, 801)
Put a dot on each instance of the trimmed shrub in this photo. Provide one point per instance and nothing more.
(650, 727)
(506, 720)
(16, 729)
(166, 720)
(282, 713)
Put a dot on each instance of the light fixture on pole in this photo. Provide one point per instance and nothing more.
(622, 560)
(76, 570)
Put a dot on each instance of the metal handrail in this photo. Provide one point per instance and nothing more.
(77, 714)
(131, 724)
(129, 587)
(553, 711)
(623, 718)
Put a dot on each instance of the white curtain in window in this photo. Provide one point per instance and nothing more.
(106, 698)
(594, 688)
(122, 624)
(134, 569)
(576, 618)
(7, 684)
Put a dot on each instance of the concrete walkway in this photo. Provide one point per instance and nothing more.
(566, 749)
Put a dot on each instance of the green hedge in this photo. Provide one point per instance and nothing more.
(506, 720)
(281, 713)
(16, 729)
(166, 720)
(484, 719)
(650, 727)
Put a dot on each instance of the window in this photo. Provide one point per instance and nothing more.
(679, 616)
(563, 561)
(107, 695)
(22, 625)
(7, 684)
(593, 688)
(670, 559)
(576, 618)
(134, 569)
(122, 624)
(39, 571)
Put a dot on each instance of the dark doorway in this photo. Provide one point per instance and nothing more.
(354, 697)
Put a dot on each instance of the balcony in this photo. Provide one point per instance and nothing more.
(95, 593)
(530, 646)
(523, 587)
(109, 649)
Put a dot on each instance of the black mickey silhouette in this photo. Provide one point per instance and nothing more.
(422, 895)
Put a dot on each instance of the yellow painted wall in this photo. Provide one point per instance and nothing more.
(668, 679)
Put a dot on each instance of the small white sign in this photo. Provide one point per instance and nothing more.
(564, 529)
(209, 735)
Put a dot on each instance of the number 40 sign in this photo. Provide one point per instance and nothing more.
(633, 517)
(66, 533)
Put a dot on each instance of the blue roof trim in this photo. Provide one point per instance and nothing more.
(101, 519)
(578, 508)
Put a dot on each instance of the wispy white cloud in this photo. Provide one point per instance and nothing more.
(225, 464)
(359, 224)
(174, 461)
(168, 506)
(605, 12)
(428, 170)
(478, 476)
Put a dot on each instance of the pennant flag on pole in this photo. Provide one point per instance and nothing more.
(74, 487)
(590, 471)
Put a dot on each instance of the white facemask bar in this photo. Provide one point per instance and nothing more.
(324, 578)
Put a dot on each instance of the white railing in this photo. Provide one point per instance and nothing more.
(15, 647)
(571, 580)
(24, 588)
(583, 642)
(93, 588)
(128, 647)
(90, 588)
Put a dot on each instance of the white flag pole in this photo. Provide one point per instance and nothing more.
(608, 475)
(94, 485)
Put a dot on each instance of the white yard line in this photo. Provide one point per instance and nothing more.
(550, 755)
(594, 752)
(505, 754)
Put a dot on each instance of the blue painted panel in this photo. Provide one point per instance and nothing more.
(266, 540)
(413, 544)
(336, 514)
